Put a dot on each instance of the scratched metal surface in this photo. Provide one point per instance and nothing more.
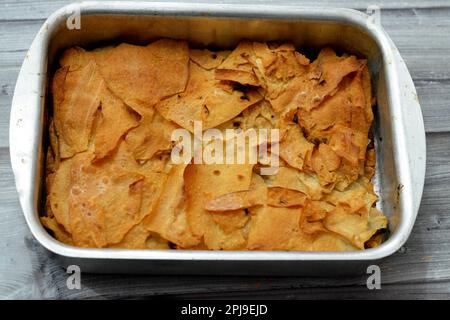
(421, 269)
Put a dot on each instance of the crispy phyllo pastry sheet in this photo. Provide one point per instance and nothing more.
(111, 181)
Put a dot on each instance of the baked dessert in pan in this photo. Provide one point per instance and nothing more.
(111, 180)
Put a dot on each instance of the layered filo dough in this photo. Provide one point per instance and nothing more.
(111, 182)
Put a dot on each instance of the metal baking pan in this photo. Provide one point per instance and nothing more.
(399, 129)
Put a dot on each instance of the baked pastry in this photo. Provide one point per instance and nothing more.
(112, 183)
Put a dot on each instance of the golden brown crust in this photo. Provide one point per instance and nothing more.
(111, 183)
(206, 99)
(76, 100)
(169, 216)
(116, 119)
(141, 76)
(207, 59)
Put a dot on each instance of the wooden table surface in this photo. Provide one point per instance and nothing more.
(421, 269)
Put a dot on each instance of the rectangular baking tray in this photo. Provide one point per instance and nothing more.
(398, 130)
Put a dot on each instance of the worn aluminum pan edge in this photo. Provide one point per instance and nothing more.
(25, 129)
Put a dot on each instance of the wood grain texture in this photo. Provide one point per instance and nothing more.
(421, 269)
(438, 290)
(33, 9)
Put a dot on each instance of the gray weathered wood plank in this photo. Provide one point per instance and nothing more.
(32, 9)
(429, 290)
